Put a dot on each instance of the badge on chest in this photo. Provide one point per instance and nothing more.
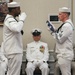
(42, 48)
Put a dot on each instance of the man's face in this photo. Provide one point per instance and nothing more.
(36, 38)
(17, 11)
(61, 16)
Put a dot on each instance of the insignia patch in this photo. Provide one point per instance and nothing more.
(42, 48)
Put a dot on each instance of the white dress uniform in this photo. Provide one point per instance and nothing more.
(12, 37)
(3, 62)
(37, 55)
(12, 41)
(64, 46)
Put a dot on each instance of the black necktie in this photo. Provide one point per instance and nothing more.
(60, 28)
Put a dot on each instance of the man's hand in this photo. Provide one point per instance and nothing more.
(32, 61)
(22, 16)
(4, 64)
(50, 26)
(41, 62)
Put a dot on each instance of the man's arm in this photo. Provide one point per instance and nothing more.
(62, 35)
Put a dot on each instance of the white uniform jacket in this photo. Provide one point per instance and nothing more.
(64, 41)
(37, 51)
(12, 38)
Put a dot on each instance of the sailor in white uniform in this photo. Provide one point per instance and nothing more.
(37, 54)
(12, 38)
(64, 41)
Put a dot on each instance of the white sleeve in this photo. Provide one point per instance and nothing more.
(13, 25)
(63, 35)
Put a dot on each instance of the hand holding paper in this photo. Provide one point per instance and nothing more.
(51, 27)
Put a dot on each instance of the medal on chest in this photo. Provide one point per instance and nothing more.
(42, 48)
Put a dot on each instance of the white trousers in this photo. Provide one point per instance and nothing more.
(65, 66)
(2, 71)
(14, 64)
(57, 69)
(42, 66)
